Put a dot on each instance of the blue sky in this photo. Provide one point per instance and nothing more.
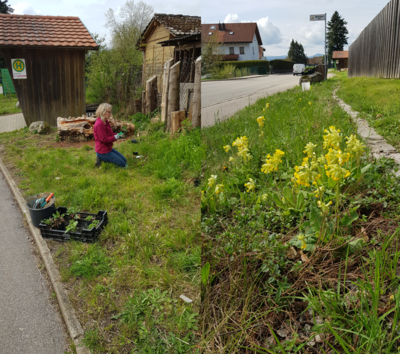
(281, 20)
(93, 13)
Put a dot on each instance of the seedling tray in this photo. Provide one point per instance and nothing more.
(82, 234)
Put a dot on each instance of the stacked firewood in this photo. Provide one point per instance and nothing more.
(81, 128)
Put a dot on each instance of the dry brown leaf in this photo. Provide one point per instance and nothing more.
(304, 257)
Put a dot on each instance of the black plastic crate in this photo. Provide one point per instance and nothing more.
(84, 235)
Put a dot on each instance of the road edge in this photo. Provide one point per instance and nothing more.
(74, 327)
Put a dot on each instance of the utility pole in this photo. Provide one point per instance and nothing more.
(322, 18)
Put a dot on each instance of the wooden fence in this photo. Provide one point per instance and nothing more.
(376, 52)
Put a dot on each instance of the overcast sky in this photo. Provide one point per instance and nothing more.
(281, 20)
(92, 13)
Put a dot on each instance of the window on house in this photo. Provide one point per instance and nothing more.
(230, 32)
(231, 50)
(209, 33)
(241, 50)
(212, 28)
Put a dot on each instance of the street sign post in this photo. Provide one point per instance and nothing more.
(18, 68)
(321, 17)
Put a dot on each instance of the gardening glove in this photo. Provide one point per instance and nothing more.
(121, 135)
(117, 136)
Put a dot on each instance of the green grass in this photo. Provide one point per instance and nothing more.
(151, 242)
(257, 288)
(377, 101)
(7, 104)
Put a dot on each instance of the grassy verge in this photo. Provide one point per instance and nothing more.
(291, 266)
(377, 101)
(7, 104)
(125, 288)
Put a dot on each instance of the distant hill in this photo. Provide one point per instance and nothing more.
(270, 57)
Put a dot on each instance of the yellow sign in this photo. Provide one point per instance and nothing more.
(18, 68)
(18, 65)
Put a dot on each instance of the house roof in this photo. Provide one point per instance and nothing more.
(178, 25)
(44, 31)
(242, 32)
(340, 54)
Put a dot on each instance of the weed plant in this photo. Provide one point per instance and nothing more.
(148, 254)
(7, 104)
(268, 260)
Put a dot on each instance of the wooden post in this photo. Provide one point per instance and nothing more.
(151, 94)
(164, 101)
(196, 115)
(176, 119)
(144, 102)
(173, 92)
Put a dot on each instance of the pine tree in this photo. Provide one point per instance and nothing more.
(4, 8)
(296, 52)
(336, 36)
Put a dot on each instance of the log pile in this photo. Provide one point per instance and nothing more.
(81, 128)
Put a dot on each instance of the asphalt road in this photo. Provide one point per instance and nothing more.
(221, 99)
(29, 323)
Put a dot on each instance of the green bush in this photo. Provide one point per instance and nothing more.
(278, 64)
(224, 72)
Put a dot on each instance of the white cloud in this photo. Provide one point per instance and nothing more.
(230, 18)
(311, 35)
(25, 8)
(270, 34)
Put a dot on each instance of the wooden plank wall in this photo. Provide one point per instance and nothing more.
(376, 52)
(156, 55)
(55, 84)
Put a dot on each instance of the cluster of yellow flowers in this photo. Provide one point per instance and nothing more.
(266, 107)
(308, 172)
(242, 145)
(250, 185)
(219, 187)
(261, 121)
(272, 162)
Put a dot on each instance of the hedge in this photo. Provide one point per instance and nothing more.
(247, 63)
(279, 64)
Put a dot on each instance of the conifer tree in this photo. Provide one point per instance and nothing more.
(296, 52)
(336, 36)
(4, 8)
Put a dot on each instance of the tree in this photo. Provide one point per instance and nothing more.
(4, 8)
(211, 53)
(296, 52)
(336, 36)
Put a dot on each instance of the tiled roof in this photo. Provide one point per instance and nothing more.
(242, 32)
(178, 25)
(340, 55)
(44, 31)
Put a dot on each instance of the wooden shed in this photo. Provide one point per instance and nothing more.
(161, 28)
(342, 59)
(53, 49)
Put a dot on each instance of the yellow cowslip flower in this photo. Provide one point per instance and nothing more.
(342, 157)
(332, 157)
(264, 197)
(272, 162)
(300, 99)
(391, 298)
(260, 121)
(322, 160)
(332, 138)
(354, 145)
(244, 154)
(231, 159)
(309, 149)
(250, 185)
(267, 105)
(324, 207)
(219, 188)
(309, 103)
(227, 148)
(307, 172)
(241, 142)
(336, 172)
(302, 239)
(319, 192)
(203, 198)
(212, 180)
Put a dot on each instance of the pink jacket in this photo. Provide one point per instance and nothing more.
(103, 136)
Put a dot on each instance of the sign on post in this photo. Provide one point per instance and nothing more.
(18, 68)
(317, 17)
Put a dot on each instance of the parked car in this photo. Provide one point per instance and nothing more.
(298, 69)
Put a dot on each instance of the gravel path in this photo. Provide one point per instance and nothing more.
(29, 323)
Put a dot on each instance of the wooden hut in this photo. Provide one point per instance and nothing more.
(161, 28)
(53, 49)
(342, 59)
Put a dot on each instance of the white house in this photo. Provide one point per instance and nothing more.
(239, 41)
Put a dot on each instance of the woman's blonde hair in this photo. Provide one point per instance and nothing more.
(102, 109)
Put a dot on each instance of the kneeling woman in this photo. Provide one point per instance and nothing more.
(104, 138)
